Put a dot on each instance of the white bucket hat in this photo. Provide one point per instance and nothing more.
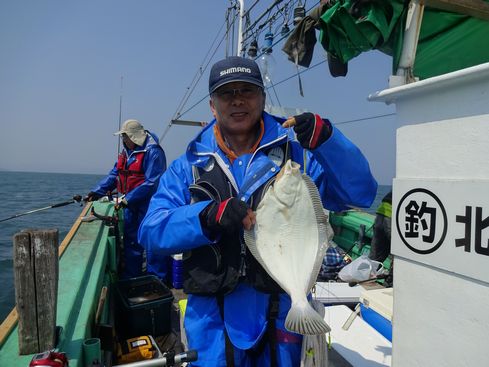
(134, 131)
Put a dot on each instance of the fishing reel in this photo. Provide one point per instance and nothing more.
(108, 220)
(49, 358)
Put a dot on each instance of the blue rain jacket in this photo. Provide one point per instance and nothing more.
(172, 225)
(154, 164)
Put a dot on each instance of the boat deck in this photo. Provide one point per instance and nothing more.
(87, 265)
(172, 342)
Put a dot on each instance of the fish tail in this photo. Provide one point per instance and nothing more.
(303, 319)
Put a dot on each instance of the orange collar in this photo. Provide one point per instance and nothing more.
(228, 151)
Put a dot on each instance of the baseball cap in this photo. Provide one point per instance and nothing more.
(134, 131)
(234, 69)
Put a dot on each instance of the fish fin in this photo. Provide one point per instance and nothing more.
(303, 319)
(316, 199)
(250, 241)
(322, 221)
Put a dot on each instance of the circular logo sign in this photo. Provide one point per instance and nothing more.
(421, 221)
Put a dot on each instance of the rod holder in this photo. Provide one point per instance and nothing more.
(91, 352)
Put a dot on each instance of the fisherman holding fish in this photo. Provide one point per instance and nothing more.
(209, 199)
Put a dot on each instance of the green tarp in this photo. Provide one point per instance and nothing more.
(447, 41)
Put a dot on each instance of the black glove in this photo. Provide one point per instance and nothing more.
(121, 204)
(311, 130)
(225, 216)
(92, 196)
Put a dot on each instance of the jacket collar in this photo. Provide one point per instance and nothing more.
(205, 145)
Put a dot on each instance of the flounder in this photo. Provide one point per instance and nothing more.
(289, 240)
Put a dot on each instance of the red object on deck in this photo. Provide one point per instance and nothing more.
(49, 358)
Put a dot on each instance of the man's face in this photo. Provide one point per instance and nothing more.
(237, 107)
(128, 142)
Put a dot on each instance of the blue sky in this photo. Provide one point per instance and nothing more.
(60, 81)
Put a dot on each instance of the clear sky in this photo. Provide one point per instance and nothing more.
(61, 64)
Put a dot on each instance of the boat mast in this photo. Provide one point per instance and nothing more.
(240, 27)
(120, 119)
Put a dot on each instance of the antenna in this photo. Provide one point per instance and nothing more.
(120, 118)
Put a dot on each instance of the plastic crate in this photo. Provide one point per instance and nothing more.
(143, 307)
(346, 226)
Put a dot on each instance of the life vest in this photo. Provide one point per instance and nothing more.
(217, 268)
(131, 176)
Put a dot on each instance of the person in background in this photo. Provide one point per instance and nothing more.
(235, 312)
(381, 240)
(135, 174)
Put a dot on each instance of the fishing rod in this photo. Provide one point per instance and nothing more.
(168, 359)
(378, 277)
(76, 198)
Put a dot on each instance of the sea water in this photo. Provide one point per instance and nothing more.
(24, 191)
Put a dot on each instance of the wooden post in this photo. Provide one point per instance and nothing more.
(25, 297)
(36, 270)
(46, 264)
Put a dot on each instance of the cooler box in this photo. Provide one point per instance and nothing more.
(376, 310)
(334, 293)
(143, 307)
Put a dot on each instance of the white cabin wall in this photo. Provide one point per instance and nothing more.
(461, 93)
(440, 317)
(452, 149)
(440, 313)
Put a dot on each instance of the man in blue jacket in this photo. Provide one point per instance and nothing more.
(235, 312)
(135, 174)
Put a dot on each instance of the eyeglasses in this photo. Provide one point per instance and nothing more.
(245, 92)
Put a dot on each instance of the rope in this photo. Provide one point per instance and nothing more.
(200, 72)
(179, 113)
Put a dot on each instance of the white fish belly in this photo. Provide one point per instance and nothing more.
(287, 242)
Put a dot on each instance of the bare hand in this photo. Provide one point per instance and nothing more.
(250, 220)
